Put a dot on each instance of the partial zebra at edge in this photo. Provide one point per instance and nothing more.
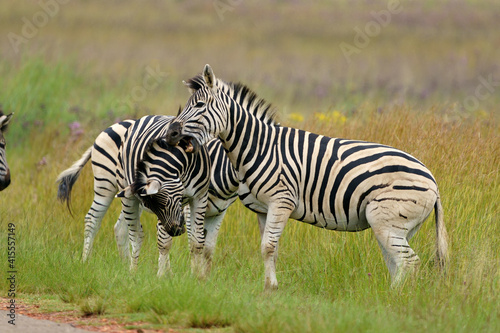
(4, 167)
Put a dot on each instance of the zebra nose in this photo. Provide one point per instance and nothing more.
(174, 133)
(176, 231)
(5, 181)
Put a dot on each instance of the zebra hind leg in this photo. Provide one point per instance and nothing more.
(393, 229)
(93, 221)
(164, 242)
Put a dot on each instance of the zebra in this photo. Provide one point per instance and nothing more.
(331, 183)
(4, 167)
(105, 155)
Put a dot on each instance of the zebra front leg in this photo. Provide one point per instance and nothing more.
(212, 226)
(121, 236)
(196, 235)
(262, 225)
(93, 221)
(164, 242)
(275, 224)
(132, 212)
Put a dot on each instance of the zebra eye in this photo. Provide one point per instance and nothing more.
(200, 104)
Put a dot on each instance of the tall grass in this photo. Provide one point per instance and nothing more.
(328, 281)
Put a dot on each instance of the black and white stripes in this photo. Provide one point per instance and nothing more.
(331, 183)
(150, 159)
(4, 167)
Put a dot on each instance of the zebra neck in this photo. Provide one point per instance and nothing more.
(246, 138)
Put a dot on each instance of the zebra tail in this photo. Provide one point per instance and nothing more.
(68, 178)
(441, 236)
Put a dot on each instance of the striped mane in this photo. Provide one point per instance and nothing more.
(247, 98)
(140, 177)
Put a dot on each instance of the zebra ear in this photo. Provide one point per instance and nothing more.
(4, 120)
(151, 188)
(126, 193)
(209, 77)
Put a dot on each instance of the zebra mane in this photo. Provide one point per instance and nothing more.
(246, 97)
(140, 175)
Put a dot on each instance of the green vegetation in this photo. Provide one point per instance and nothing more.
(406, 89)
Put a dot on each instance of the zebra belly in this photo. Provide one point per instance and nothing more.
(327, 220)
(217, 206)
(250, 201)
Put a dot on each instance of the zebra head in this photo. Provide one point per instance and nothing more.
(4, 168)
(205, 114)
(163, 198)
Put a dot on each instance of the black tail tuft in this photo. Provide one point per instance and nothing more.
(64, 190)
(68, 178)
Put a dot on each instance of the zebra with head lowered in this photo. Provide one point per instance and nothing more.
(331, 183)
(110, 168)
(4, 167)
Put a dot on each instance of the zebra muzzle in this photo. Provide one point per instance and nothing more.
(5, 181)
(189, 144)
(189, 147)
(174, 135)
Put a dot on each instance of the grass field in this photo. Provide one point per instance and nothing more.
(418, 85)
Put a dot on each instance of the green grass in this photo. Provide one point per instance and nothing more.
(328, 281)
(405, 89)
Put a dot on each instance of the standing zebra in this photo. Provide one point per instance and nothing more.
(334, 184)
(4, 167)
(106, 157)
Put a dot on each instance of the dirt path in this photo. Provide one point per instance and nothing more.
(29, 319)
(31, 325)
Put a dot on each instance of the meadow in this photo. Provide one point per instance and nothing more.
(418, 85)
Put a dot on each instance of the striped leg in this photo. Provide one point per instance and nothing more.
(196, 236)
(262, 223)
(164, 242)
(212, 226)
(262, 226)
(275, 224)
(121, 236)
(93, 221)
(132, 212)
(393, 226)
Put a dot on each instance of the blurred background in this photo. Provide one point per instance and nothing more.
(108, 60)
